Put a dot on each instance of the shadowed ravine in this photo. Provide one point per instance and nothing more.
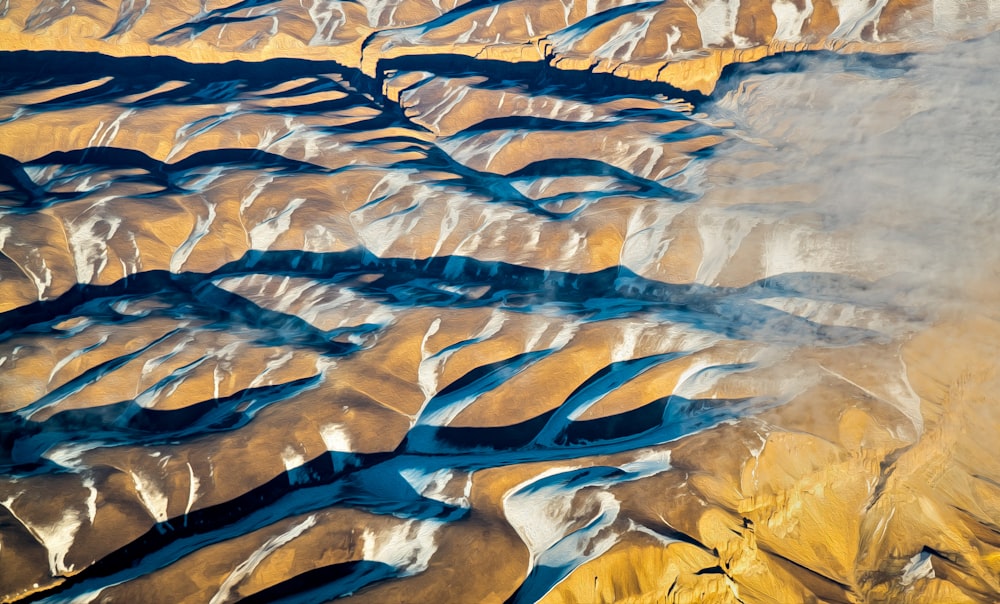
(499, 301)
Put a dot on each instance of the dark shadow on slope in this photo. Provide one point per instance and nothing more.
(492, 186)
(494, 438)
(116, 157)
(30, 71)
(447, 17)
(490, 375)
(591, 167)
(538, 77)
(168, 178)
(439, 281)
(219, 16)
(331, 479)
(587, 24)
(873, 65)
(278, 328)
(188, 533)
(24, 193)
(589, 393)
(666, 419)
(23, 441)
(189, 296)
(328, 106)
(524, 123)
(826, 588)
(474, 383)
(676, 416)
(325, 583)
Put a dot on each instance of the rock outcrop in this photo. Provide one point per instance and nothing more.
(499, 301)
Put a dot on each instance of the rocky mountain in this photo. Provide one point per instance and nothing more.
(499, 301)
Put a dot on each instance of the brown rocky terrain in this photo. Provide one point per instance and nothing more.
(432, 301)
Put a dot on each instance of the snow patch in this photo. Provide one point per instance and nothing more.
(201, 228)
(248, 566)
(336, 438)
(263, 236)
(919, 567)
(790, 19)
(88, 240)
(407, 547)
(433, 485)
(56, 537)
(151, 496)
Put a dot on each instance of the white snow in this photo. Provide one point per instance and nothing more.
(919, 567)
(433, 485)
(248, 566)
(649, 462)
(565, 335)
(327, 16)
(464, 38)
(292, 459)
(105, 138)
(627, 38)
(193, 485)
(274, 363)
(56, 537)
(336, 438)
(259, 184)
(91, 501)
(624, 348)
(5, 232)
(790, 19)
(150, 495)
(90, 249)
(456, 206)
(717, 22)
(182, 137)
(855, 15)
(429, 368)
(76, 354)
(40, 277)
(407, 547)
(201, 228)
(68, 455)
(151, 364)
(648, 236)
(721, 233)
(543, 515)
(263, 236)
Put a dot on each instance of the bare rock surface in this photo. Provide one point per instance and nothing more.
(499, 301)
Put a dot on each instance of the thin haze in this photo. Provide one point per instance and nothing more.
(899, 160)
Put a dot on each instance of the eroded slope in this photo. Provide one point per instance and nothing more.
(471, 331)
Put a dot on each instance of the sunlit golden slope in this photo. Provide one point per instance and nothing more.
(495, 302)
(685, 43)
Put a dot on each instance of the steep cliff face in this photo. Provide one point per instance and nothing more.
(499, 301)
